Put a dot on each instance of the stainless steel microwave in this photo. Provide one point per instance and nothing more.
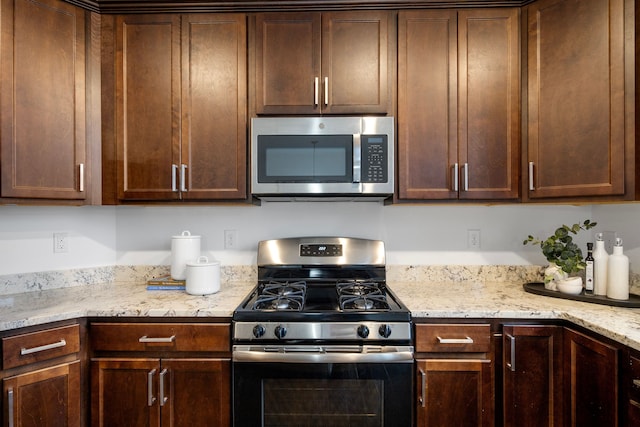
(322, 158)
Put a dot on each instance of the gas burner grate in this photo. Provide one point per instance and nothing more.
(361, 296)
(281, 296)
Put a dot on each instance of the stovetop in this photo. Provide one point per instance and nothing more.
(321, 289)
(322, 301)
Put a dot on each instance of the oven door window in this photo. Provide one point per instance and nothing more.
(305, 158)
(294, 402)
(322, 395)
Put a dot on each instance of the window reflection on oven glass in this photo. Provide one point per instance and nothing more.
(325, 403)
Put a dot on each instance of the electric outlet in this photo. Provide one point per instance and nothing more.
(609, 240)
(230, 239)
(60, 242)
(473, 239)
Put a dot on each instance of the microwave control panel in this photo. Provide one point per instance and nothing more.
(374, 158)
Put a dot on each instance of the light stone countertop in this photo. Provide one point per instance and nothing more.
(496, 300)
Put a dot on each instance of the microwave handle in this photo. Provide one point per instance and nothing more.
(357, 158)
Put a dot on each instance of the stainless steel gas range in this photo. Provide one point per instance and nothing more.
(322, 340)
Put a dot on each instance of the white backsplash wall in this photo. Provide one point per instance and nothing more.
(414, 235)
(624, 219)
(26, 238)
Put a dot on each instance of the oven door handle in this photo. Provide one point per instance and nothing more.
(315, 354)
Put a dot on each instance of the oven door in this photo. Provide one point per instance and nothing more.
(322, 386)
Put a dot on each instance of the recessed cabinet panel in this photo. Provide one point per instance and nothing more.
(427, 107)
(489, 97)
(43, 100)
(214, 105)
(147, 105)
(576, 111)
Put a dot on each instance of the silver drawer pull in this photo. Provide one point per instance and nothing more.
(25, 351)
(467, 340)
(636, 383)
(145, 338)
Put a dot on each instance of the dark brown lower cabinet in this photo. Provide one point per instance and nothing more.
(454, 392)
(532, 376)
(631, 387)
(591, 376)
(160, 392)
(48, 397)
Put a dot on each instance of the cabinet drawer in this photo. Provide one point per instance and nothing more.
(23, 349)
(456, 338)
(160, 336)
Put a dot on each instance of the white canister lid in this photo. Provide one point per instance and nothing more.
(202, 261)
(186, 234)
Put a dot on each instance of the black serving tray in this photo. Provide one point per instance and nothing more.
(538, 289)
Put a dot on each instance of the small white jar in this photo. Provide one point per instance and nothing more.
(203, 277)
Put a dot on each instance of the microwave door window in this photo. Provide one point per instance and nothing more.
(305, 159)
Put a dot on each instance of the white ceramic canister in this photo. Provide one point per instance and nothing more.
(184, 248)
(203, 277)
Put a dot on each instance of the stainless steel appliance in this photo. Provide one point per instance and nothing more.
(322, 158)
(322, 340)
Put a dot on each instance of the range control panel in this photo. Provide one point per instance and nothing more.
(321, 250)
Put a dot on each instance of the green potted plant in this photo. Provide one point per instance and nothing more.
(564, 256)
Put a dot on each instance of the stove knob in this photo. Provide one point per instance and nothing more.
(258, 331)
(385, 330)
(363, 331)
(280, 331)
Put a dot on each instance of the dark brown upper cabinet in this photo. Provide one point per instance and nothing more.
(44, 144)
(323, 63)
(175, 122)
(458, 104)
(578, 141)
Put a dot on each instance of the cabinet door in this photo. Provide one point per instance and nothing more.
(198, 392)
(458, 104)
(49, 397)
(576, 105)
(489, 103)
(355, 74)
(148, 106)
(288, 63)
(454, 393)
(532, 375)
(124, 392)
(42, 120)
(592, 381)
(214, 110)
(427, 104)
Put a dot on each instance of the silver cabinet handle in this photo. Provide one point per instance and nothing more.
(316, 83)
(532, 187)
(466, 340)
(183, 177)
(357, 158)
(163, 398)
(326, 91)
(511, 364)
(456, 177)
(150, 397)
(145, 338)
(81, 176)
(10, 415)
(466, 177)
(25, 351)
(636, 383)
(174, 171)
(423, 388)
